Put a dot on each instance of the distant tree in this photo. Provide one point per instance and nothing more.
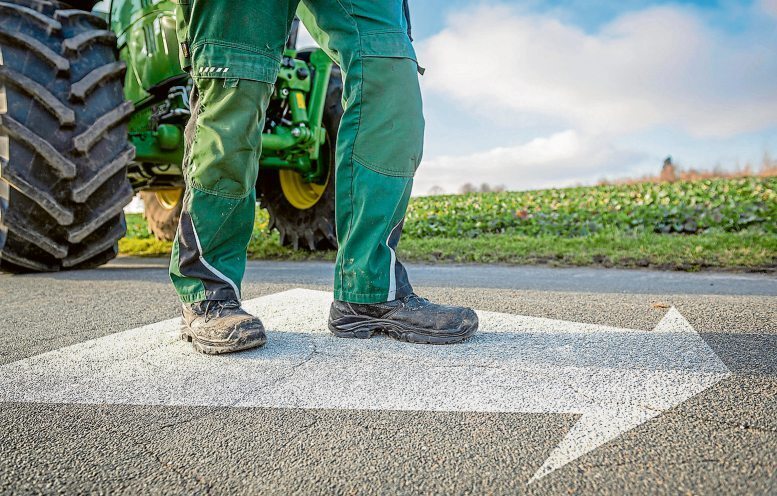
(436, 190)
(499, 188)
(485, 188)
(468, 188)
(769, 166)
(767, 161)
(668, 171)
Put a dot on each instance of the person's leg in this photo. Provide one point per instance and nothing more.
(232, 51)
(379, 143)
(379, 147)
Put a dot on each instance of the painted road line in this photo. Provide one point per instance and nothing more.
(616, 379)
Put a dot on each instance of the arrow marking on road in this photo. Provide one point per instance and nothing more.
(615, 379)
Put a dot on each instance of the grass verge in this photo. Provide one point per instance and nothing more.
(728, 224)
(722, 250)
(744, 250)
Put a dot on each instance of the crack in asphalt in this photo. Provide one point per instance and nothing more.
(247, 394)
(170, 466)
(179, 471)
(729, 423)
(300, 432)
(583, 467)
(207, 486)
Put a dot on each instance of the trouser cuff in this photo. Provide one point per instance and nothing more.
(369, 298)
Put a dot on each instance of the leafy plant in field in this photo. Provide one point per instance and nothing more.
(690, 207)
(625, 225)
(682, 207)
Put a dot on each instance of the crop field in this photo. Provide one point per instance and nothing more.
(684, 225)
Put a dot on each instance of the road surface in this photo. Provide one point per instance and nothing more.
(582, 381)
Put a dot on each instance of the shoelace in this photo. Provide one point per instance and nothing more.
(213, 308)
(412, 297)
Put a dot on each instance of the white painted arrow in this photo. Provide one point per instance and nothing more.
(616, 379)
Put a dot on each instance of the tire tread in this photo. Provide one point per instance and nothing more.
(88, 83)
(64, 168)
(52, 26)
(81, 41)
(62, 193)
(62, 112)
(86, 140)
(38, 49)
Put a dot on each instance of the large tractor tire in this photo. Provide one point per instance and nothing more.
(63, 184)
(304, 213)
(162, 209)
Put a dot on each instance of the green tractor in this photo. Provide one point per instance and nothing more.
(92, 111)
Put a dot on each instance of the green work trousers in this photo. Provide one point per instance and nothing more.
(233, 52)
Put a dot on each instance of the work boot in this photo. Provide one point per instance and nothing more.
(220, 326)
(412, 319)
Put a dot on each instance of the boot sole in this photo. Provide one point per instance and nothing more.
(209, 348)
(359, 327)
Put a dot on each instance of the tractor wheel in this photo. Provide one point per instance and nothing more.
(64, 154)
(302, 212)
(162, 209)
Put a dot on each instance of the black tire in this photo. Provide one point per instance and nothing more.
(162, 216)
(312, 228)
(63, 186)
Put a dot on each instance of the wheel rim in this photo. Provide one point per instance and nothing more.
(169, 198)
(302, 195)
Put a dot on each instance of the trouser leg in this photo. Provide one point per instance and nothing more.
(234, 49)
(222, 160)
(379, 144)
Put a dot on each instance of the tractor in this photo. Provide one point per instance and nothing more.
(93, 107)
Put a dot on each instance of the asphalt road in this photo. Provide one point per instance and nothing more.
(721, 439)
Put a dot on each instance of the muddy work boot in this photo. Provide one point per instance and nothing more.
(412, 319)
(220, 326)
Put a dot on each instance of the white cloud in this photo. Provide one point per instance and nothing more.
(561, 159)
(656, 67)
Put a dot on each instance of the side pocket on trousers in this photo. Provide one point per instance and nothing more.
(391, 129)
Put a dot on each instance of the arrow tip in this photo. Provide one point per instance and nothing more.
(591, 431)
(673, 321)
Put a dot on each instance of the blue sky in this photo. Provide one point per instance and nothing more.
(547, 93)
(552, 93)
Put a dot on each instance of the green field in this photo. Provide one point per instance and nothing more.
(692, 225)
